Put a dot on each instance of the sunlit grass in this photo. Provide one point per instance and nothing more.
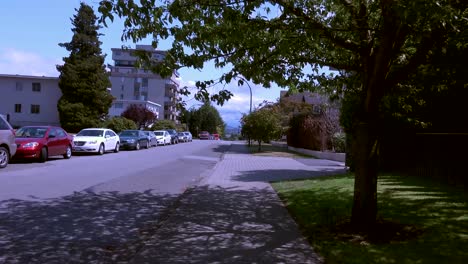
(430, 219)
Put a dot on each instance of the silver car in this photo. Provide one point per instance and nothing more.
(7, 142)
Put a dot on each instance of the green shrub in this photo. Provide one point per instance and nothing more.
(163, 124)
(119, 123)
(339, 142)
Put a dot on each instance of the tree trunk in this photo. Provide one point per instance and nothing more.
(365, 152)
(259, 145)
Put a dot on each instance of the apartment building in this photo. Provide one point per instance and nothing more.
(131, 85)
(29, 100)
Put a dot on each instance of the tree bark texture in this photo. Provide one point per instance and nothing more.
(365, 148)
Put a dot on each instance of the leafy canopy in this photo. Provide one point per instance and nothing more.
(141, 115)
(262, 125)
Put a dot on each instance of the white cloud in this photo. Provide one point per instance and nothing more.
(14, 61)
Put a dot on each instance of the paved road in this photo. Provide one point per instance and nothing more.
(95, 209)
(165, 168)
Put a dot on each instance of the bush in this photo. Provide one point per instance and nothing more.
(163, 124)
(119, 123)
(339, 142)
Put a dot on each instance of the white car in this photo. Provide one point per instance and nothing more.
(163, 137)
(96, 140)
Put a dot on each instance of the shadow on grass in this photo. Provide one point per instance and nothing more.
(419, 221)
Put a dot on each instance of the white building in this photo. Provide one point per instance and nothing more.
(131, 85)
(29, 100)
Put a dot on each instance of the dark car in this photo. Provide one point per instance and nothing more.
(174, 136)
(204, 135)
(182, 137)
(7, 142)
(41, 142)
(152, 138)
(133, 139)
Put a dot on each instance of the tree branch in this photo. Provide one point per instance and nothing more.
(325, 31)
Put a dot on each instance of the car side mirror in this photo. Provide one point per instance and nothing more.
(51, 136)
(107, 136)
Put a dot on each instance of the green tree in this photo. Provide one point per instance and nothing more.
(120, 123)
(376, 45)
(163, 124)
(262, 125)
(205, 118)
(83, 79)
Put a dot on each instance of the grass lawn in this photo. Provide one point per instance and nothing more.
(420, 221)
(275, 151)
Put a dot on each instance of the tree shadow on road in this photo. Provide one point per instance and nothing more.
(84, 227)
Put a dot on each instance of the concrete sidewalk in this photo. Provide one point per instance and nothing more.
(234, 216)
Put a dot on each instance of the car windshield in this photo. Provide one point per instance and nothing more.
(34, 132)
(90, 133)
(159, 133)
(147, 133)
(129, 134)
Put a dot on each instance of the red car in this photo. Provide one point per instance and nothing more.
(41, 142)
(215, 136)
(204, 135)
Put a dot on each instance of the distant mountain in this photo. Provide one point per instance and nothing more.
(231, 130)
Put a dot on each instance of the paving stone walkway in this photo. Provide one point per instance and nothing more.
(234, 216)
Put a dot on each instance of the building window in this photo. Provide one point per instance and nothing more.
(17, 108)
(19, 86)
(118, 105)
(36, 87)
(122, 87)
(144, 82)
(121, 96)
(35, 109)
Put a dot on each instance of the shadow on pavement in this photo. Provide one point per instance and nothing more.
(81, 228)
(228, 225)
(284, 175)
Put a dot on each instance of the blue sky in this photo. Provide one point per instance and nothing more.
(32, 29)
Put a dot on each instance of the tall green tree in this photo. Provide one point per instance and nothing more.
(83, 79)
(376, 45)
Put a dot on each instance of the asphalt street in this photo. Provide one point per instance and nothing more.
(95, 209)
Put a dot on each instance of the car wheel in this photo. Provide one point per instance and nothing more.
(117, 147)
(101, 149)
(137, 147)
(43, 155)
(147, 145)
(68, 153)
(4, 157)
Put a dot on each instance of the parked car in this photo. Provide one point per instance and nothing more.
(204, 135)
(215, 136)
(188, 135)
(174, 136)
(41, 142)
(182, 137)
(96, 140)
(7, 142)
(163, 137)
(152, 138)
(134, 139)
